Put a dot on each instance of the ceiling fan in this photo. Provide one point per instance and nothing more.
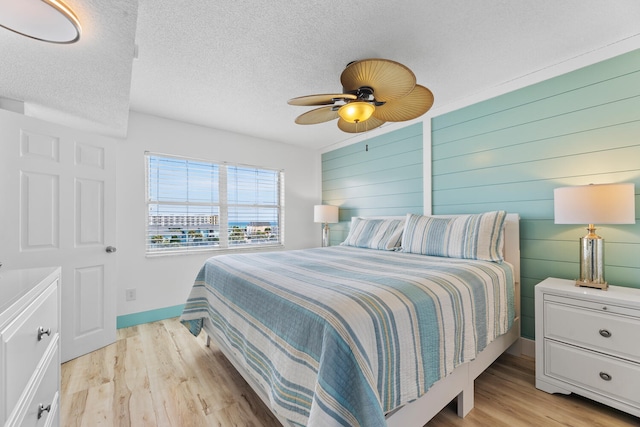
(374, 91)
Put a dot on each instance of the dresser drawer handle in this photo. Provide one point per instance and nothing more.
(605, 376)
(42, 331)
(42, 409)
(605, 333)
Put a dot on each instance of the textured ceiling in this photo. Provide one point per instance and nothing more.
(85, 84)
(233, 65)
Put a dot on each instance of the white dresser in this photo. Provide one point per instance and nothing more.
(29, 341)
(588, 342)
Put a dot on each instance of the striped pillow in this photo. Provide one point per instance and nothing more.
(476, 236)
(382, 234)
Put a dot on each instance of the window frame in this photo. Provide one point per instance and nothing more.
(223, 206)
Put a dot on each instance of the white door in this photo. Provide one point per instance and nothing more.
(57, 206)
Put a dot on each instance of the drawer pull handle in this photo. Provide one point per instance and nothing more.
(42, 331)
(605, 333)
(42, 409)
(605, 376)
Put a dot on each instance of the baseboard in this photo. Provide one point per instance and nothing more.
(528, 347)
(148, 316)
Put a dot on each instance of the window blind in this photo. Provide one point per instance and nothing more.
(199, 205)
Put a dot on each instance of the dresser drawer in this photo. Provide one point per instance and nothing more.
(597, 329)
(41, 404)
(594, 372)
(20, 345)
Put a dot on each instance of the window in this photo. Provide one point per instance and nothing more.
(199, 205)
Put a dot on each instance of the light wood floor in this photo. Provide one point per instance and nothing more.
(158, 374)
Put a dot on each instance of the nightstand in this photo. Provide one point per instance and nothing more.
(588, 342)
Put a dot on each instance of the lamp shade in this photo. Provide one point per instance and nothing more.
(325, 213)
(595, 204)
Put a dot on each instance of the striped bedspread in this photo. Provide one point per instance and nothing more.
(340, 336)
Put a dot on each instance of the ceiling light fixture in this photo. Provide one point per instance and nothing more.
(357, 111)
(374, 91)
(45, 20)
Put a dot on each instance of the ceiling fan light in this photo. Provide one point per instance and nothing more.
(355, 112)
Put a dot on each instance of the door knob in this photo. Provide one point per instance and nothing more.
(110, 249)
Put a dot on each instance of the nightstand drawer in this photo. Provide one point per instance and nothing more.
(610, 377)
(599, 330)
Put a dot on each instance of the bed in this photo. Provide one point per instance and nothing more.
(364, 333)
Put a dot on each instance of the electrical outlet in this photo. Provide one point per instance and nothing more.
(130, 294)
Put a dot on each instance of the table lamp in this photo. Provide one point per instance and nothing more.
(325, 214)
(594, 204)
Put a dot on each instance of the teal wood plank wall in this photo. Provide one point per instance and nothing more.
(380, 176)
(511, 151)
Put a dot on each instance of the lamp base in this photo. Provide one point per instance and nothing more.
(325, 236)
(587, 284)
(592, 261)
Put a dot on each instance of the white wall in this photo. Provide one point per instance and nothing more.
(165, 281)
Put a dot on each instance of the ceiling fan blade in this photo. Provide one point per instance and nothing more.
(415, 104)
(322, 99)
(370, 123)
(389, 79)
(319, 115)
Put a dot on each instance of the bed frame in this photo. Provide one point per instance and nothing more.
(459, 384)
